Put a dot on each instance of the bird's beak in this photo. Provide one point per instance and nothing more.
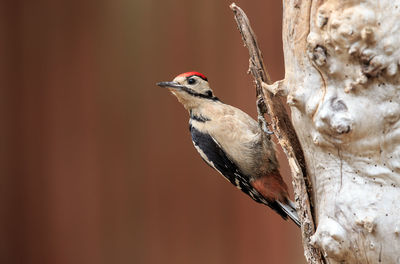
(170, 85)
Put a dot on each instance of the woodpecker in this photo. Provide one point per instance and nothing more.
(232, 143)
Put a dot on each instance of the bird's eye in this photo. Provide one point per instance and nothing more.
(209, 93)
(191, 81)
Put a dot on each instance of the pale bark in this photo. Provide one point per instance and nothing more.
(342, 84)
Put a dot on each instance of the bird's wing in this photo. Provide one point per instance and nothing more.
(214, 155)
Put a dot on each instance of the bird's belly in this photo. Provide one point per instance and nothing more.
(241, 152)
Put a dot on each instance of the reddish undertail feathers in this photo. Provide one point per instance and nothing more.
(271, 186)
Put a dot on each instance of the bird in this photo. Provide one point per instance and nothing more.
(232, 143)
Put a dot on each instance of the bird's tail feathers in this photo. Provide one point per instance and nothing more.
(290, 209)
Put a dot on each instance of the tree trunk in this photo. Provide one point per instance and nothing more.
(342, 83)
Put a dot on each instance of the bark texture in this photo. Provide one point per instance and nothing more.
(342, 83)
(283, 129)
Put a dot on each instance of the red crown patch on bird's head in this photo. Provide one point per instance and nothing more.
(193, 73)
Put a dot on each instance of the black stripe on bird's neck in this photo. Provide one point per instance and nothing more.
(198, 118)
(196, 94)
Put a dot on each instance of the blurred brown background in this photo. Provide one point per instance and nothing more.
(96, 162)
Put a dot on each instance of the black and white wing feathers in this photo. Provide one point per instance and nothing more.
(214, 155)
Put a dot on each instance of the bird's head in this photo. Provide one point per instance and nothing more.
(191, 89)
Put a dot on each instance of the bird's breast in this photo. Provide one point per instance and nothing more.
(236, 133)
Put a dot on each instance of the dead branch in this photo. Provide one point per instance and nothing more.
(283, 130)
